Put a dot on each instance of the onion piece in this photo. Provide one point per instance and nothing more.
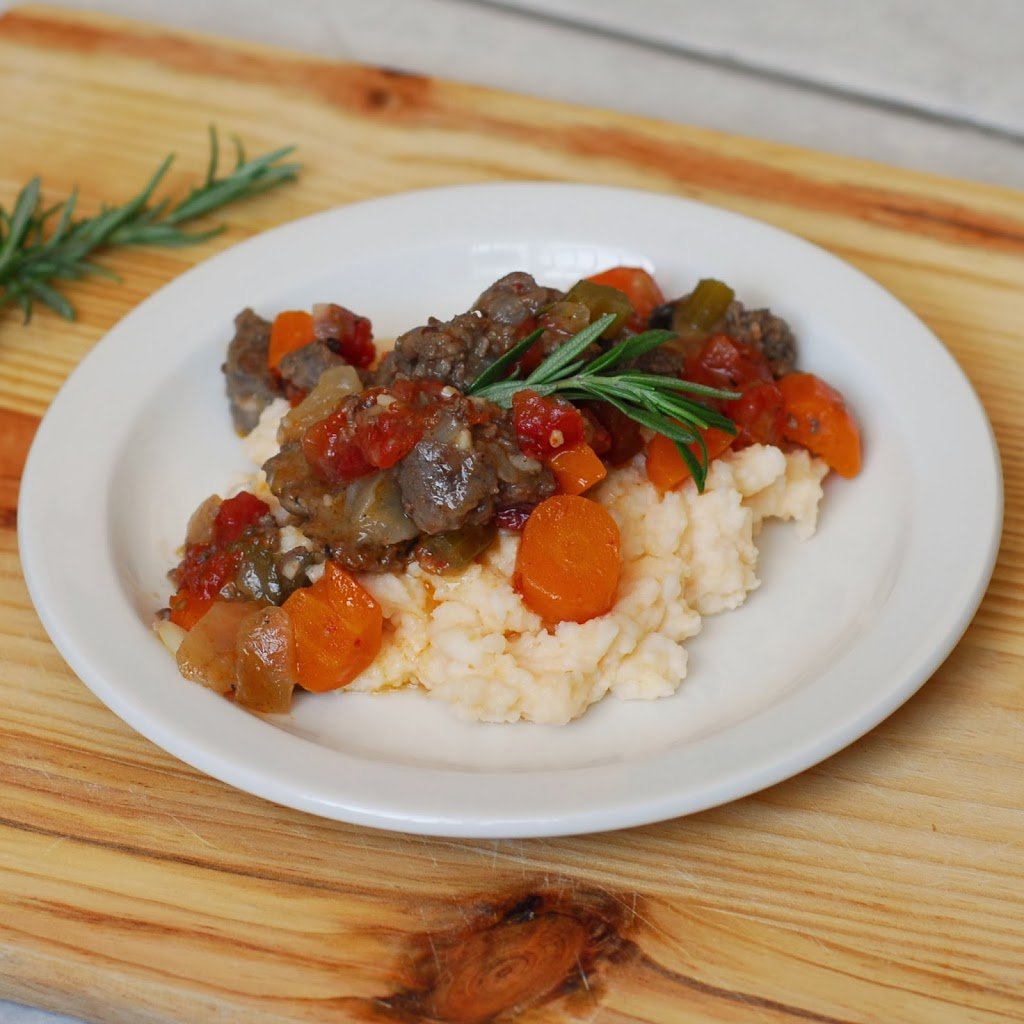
(207, 654)
(334, 384)
(200, 524)
(265, 673)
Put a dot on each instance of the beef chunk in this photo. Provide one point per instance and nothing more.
(514, 299)
(766, 332)
(302, 367)
(445, 488)
(457, 351)
(360, 522)
(457, 476)
(251, 387)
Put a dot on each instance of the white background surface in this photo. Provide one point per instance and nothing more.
(931, 84)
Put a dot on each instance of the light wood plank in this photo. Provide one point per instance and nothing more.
(886, 884)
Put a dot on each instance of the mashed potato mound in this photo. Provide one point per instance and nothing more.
(469, 639)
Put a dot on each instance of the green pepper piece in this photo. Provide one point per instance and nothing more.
(442, 553)
(694, 319)
(257, 575)
(602, 299)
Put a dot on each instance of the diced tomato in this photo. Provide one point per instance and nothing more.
(204, 570)
(639, 287)
(534, 355)
(545, 425)
(386, 430)
(357, 345)
(378, 429)
(759, 414)
(723, 362)
(422, 392)
(625, 439)
(330, 448)
(236, 515)
(345, 332)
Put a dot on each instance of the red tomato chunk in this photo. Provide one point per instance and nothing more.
(376, 430)
(236, 515)
(760, 411)
(545, 425)
(346, 333)
(723, 362)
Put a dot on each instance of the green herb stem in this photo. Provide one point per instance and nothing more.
(33, 255)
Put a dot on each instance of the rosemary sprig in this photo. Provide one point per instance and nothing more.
(39, 246)
(650, 399)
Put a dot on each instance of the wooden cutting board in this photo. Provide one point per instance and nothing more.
(885, 885)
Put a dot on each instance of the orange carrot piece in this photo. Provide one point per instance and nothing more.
(817, 419)
(667, 469)
(187, 608)
(577, 469)
(639, 287)
(337, 627)
(567, 568)
(290, 330)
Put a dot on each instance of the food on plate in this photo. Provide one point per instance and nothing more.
(518, 510)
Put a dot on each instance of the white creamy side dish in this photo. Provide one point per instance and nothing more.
(517, 511)
(469, 639)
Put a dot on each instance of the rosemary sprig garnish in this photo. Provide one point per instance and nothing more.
(650, 399)
(32, 256)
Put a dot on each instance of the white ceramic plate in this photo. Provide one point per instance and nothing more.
(844, 629)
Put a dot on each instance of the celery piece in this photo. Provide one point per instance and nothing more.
(442, 553)
(601, 299)
(696, 317)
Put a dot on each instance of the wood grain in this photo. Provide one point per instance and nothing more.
(885, 885)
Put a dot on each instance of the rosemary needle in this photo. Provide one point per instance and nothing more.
(43, 245)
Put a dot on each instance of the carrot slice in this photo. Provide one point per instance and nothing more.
(567, 568)
(639, 287)
(667, 469)
(337, 627)
(577, 469)
(290, 330)
(817, 419)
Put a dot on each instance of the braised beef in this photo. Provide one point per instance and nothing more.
(445, 488)
(767, 332)
(361, 522)
(461, 477)
(302, 367)
(251, 386)
(466, 467)
(457, 351)
(514, 299)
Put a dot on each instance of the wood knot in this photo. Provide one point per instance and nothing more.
(527, 949)
(388, 91)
